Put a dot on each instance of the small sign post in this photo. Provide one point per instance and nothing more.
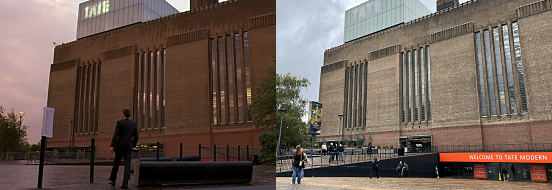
(47, 131)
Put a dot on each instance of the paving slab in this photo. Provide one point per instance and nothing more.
(342, 183)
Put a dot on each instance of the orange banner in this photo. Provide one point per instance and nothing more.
(479, 170)
(512, 157)
(538, 173)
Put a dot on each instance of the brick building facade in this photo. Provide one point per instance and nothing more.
(472, 74)
(187, 78)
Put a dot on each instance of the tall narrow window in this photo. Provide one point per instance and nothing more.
(247, 75)
(230, 67)
(364, 112)
(499, 73)
(409, 65)
(360, 90)
(158, 89)
(164, 84)
(239, 85)
(403, 94)
(222, 81)
(138, 88)
(355, 93)
(415, 85)
(97, 96)
(509, 70)
(429, 116)
(213, 79)
(351, 94)
(519, 66)
(422, 82)
(490, 75)
(86, 93)
(152, 90)
(145, 90)
(481, 75)
(346, 98)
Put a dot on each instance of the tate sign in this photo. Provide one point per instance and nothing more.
(96, 10)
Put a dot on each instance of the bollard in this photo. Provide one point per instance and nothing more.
(215, 152)
(180, 150)
(227, 153)
(157, 151)
(239, 153)
(92, 155)
(41, 165)
(199, 148)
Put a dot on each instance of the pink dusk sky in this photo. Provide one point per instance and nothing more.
(28, 30)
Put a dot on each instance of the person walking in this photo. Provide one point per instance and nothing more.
(324, 149)
(298, 163)
(513, 171)
(504, 174)
(405, 170)
(340, 149)
(330, 151)
(436, 171)
(374, 167)
(400, 169)
(124, 140)
(306, 161)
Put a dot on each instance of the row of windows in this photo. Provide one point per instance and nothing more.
(227, 78)
(87, 98)
(355, 96)
(150, 89)
(415, 68)
(506, 87)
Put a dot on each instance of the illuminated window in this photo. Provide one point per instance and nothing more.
(239, 76)
(422, 82)
(402, 88)
(213, 79)
(230, 67)
(408, 79)
(222, 81)
(415, 62)
(428, 85)
(247, 75)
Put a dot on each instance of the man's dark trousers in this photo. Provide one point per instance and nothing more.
(127, 155)
(374, 169)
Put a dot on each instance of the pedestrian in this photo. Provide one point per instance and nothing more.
(405, 170)
(330, 151)
(374, 167)
(306, 161)
(513, 171)
(324, 149)
(298, 163)
(436, 171)
(124, 140)
(400, 169)
(340, 150)
(504, 174)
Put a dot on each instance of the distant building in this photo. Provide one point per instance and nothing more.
(472, 75)
(186, 77)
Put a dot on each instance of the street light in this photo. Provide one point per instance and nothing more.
(339, 139)
(21, 114)
(282, 112)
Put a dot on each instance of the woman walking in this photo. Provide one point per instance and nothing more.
(298, 164)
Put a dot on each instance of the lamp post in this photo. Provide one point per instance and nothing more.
(282, 112)
(71, 137)
(339, 139)
(21, 114)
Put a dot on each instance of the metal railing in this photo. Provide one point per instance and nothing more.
(227, 153)
(318, 159)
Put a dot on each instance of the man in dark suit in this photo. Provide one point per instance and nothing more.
(124, 139)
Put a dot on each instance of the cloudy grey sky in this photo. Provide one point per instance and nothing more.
(28, 30)
(305, 28)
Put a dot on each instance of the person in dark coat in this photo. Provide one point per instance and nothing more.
(400, 168)
(340, 149)
(331, 149)
(124, 140)
(504, 174)
(405, 170)
(513, 171)
(374, 167)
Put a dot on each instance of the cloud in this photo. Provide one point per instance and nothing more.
(29, 29)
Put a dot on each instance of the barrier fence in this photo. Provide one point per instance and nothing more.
(318, 159)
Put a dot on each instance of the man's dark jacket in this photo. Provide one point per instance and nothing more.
(123, 137)
(375, 163)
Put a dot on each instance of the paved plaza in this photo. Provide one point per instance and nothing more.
(342, 183)
(78, 177)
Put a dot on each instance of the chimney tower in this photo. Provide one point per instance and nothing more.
(196, 4)
(443, 4)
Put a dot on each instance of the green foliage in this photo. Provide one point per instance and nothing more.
(280, 92)
(11, 133)
(35, 147)
(360, 140)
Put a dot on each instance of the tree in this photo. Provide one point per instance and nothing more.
(10, 133)
(280, 92)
